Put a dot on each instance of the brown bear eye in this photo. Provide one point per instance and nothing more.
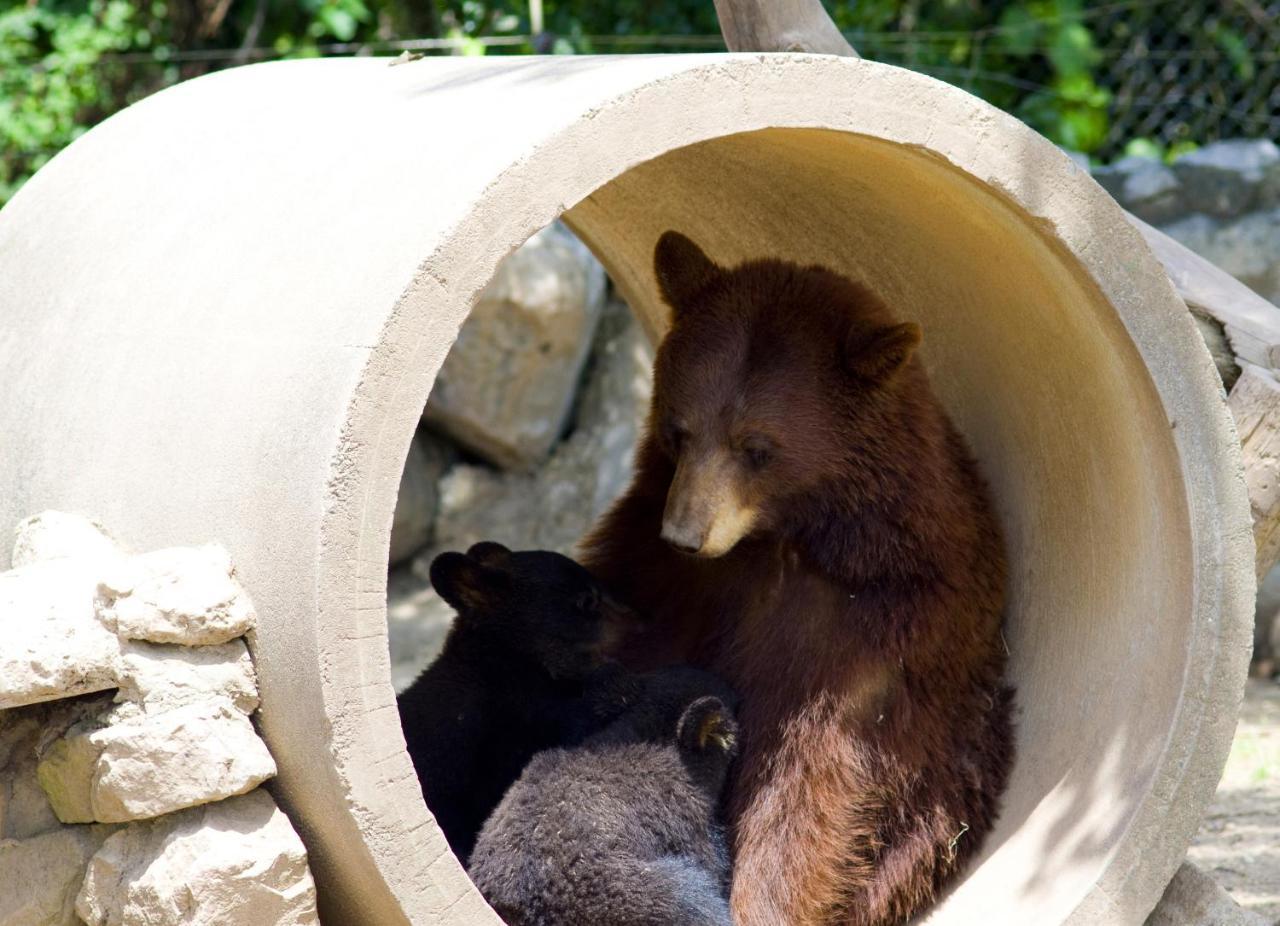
(674, 435)
(758, 453)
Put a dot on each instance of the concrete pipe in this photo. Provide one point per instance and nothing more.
(224, 308)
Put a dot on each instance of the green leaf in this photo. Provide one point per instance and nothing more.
(1072, 50)
(1019, 33)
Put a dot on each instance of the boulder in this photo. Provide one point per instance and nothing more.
(112, 770)
(553, 507)
(54, 645)
(1227, 178)
(417, 500)
(185, 595)
(25, 811)
(507, 386)
(1145, 187)
(237, 861)
(39, 876)
(59, 535)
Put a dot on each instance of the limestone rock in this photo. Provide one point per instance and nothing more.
(1226, 178)
(1145, 187)
(157, 676)
(507, 386)
(1195, 899)
(24, 809)
(237, 861)
(39, 877)
(417, 499)
(552, 508)
(58, 535)
(182, 595)
(113, 770)
(54, 645)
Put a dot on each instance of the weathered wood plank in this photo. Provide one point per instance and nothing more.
(1255, 404)
(780, 25)
(1252, 324)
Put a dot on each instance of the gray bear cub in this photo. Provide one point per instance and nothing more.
(625, 828)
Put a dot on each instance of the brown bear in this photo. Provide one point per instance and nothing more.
(806, 522)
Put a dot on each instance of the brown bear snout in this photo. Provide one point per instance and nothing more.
(706, 514)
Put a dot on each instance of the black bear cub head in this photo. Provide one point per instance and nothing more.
(688, 707)
(538, 603)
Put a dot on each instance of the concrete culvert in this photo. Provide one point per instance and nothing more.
(224, 308)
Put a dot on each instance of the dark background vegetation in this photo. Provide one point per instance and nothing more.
(1107, 78)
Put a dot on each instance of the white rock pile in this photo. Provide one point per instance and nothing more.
(128, 757)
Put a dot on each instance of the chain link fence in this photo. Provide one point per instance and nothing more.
(1194, 71)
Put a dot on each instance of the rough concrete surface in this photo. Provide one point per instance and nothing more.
(275, 410)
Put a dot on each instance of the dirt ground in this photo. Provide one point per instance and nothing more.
(1239, 841)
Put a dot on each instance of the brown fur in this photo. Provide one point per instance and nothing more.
(859, 617)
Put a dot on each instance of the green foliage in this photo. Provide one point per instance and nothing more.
(66, 64)
(52, 82)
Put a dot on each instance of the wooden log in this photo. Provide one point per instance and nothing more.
(780, 25)
(1251, 323)
(1255, 404)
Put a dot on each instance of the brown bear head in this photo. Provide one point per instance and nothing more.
(771, 390)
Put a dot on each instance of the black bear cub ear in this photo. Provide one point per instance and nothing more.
(708, 726)
(682, 268)
(875, 356)
(466, 584)
(490, 553)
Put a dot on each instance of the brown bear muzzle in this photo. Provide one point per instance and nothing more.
(705, 513)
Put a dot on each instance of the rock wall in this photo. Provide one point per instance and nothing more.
(1222, 201)
(129, 763)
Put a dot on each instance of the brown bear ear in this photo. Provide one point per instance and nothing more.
(490, 553)
(875, 356)
(467, 585)
(682, 268)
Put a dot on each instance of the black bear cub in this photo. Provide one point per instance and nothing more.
(624, 829)
(531, 627)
